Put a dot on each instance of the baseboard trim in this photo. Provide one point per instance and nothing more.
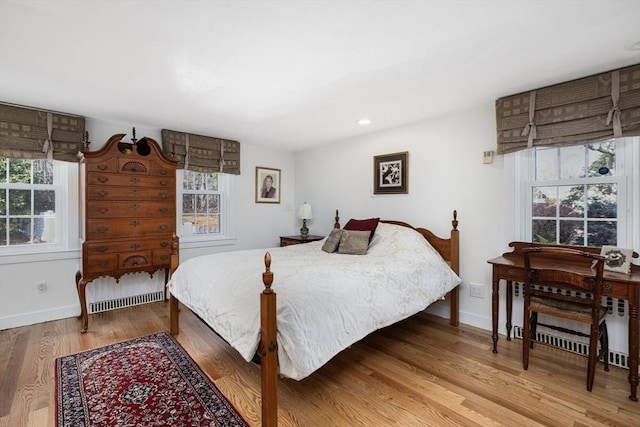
(26, 319)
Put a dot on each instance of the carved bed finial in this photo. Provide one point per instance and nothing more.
(454, 223)
(337, 223)
(267, 276)
(133, 139)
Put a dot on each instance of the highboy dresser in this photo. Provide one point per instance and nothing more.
(130, 211)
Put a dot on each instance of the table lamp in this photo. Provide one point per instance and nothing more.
(305, 213)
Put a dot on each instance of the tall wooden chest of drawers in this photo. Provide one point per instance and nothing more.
(130, 211)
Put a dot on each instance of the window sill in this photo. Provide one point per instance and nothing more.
(193, 242)
(53, 255)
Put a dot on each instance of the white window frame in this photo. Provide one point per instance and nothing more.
(519, 169)
(65, 185)
(195, 240)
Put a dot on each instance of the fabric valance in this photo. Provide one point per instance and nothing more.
(202, 153)
(591, 109)
(29, 133)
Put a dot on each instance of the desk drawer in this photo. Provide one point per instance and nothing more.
(510, 273)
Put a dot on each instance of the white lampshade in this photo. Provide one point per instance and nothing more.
(304, 211)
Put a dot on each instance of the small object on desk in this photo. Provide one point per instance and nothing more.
(296, 240)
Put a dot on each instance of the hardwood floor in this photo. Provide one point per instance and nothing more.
(420, 372)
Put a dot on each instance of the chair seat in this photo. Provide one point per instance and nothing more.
(576, 311)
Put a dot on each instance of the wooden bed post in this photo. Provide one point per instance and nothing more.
(455, 266)
(268, 349)
(174, 324)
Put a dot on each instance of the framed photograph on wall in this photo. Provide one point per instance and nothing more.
(267, 185)
(391, 173)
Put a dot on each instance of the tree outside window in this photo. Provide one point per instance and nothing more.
(27, 202)
(575, 195)
(201, 203)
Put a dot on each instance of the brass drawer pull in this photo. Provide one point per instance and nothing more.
(103, 167)
(163, 210)
(103, 263)
(134, 246)
(511, 272)
(135, 206)
(164, 244)
(135, 192)
(103, 179)
(103, 210)
(163, 195)
(134, 223)
(103, 229)
(163, 183)
(163, 172)
(102, 193)
(135, 180)
(163, 227)
(164, 257)
(103, 248)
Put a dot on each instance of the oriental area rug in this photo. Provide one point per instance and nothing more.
(146, 381)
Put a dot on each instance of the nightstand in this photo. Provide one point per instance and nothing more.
(296, 240)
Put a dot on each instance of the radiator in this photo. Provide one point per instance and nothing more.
(104, 293)
(122, 302)
(617, 327)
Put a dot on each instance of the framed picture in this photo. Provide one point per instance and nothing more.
(267, 185)
(617, 259)
(391, 173)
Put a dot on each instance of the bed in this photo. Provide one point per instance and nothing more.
(326, 300)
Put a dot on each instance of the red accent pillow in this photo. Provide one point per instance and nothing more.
(369, 224)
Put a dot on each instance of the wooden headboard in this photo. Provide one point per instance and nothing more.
(448, 248)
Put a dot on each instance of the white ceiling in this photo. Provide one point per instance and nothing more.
(296, 74)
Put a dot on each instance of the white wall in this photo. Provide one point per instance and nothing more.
(252, 226)
(445, 173)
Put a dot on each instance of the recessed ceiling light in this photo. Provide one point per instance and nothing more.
(364, 121)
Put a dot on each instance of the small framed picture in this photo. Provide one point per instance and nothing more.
(267, 185)
(391, 173)
(617, 259)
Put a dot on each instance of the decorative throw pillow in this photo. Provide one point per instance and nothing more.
(354, 242)
(331, 244)
(369, 224)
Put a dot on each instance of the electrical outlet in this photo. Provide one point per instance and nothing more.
(41, 288)
(476, 290)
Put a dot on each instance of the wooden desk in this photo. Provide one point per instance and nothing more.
(510, 267)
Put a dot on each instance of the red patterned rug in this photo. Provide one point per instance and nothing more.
(147, 381)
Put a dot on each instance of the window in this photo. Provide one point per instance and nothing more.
(578, 195)
(201, 199)
(574, 195)
(29, 192)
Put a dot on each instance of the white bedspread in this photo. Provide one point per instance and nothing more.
(326, 302)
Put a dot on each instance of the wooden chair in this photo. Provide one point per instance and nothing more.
(565, 283)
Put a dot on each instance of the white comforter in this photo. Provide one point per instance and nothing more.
(326, 302)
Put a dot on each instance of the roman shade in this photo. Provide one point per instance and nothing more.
(202, 153)
(591, 109)
(30, 133)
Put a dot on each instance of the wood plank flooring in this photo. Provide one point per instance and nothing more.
(420, 372)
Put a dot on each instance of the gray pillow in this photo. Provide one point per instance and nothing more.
(331, 244)
(354, 242)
